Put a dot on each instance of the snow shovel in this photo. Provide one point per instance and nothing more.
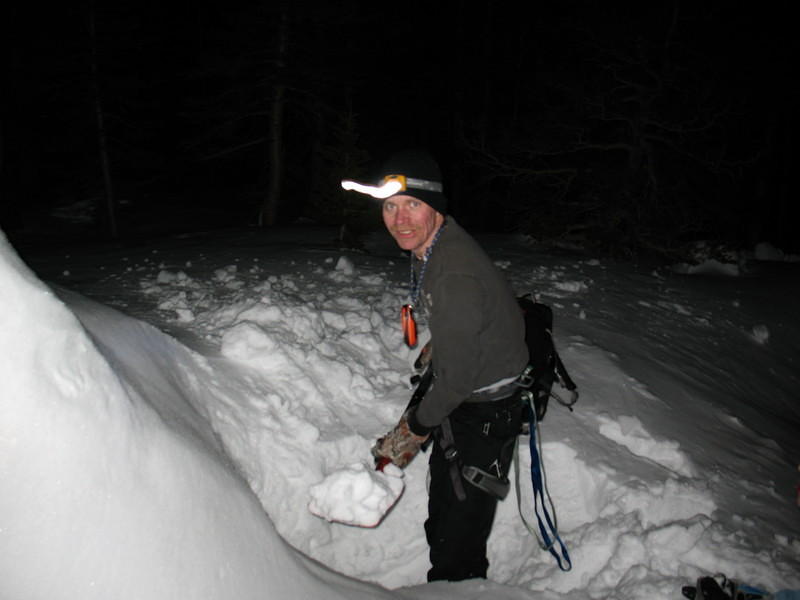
(358, 495)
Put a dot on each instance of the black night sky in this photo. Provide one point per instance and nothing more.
(638, 126)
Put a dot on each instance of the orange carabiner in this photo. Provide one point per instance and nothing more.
(409, 325)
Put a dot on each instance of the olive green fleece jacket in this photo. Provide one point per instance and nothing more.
(477, 330)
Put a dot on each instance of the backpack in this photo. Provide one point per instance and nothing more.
(544, 368)
(544, 364)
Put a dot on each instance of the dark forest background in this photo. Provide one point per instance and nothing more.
(634, 127)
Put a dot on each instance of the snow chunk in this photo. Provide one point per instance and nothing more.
(629, 432)
(345, 265)
(168, 277)
(357, 495)
(570, 286)
(225, 275)
(709, 267)
(760, 334)
(678, 308)
(247, 341)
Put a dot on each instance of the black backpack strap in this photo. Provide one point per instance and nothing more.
(566, 380)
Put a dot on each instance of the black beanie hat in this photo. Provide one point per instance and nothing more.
(417, 164)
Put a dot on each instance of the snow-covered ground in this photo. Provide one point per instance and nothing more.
(166, 410)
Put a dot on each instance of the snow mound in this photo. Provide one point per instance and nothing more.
(711, 266)
(629, 432)
(767, 252)
(114, 485)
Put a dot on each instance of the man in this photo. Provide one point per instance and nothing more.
(472, 409)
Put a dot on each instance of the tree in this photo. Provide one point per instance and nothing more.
(638, 146)
(269, 208)
(109, 207)
(338, 155)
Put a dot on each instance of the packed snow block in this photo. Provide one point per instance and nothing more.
(357, 494)
(112, 485)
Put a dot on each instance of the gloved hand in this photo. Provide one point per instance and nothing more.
(424, 357)
(399, 446)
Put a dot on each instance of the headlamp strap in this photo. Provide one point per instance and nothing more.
(412, 183)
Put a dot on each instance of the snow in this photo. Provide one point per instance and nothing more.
(357, 494)
(171, 414)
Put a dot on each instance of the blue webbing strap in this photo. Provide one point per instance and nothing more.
(538, 494)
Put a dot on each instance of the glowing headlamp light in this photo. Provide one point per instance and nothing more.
(391, 185)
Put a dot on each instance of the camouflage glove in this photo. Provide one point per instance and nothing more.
(399, 446)
(424, 357)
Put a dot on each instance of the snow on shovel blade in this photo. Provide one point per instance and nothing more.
(357, 495)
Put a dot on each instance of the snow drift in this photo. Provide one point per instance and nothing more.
(113, 483)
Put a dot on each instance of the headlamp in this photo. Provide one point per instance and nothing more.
(391, 185)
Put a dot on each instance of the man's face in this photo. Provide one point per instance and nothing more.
(411, 222)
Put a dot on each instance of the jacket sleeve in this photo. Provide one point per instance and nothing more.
(456, 319)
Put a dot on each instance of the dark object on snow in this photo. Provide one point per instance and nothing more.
(707, 589)
(544, 368)
(711, 590)
(720, 587)
(544, 364)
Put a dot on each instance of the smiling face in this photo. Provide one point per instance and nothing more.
(411, 222)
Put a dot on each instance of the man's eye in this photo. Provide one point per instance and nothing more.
(413, 204)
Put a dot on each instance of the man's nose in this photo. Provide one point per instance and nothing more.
(401, 215)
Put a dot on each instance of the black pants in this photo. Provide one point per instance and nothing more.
(457, 530)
